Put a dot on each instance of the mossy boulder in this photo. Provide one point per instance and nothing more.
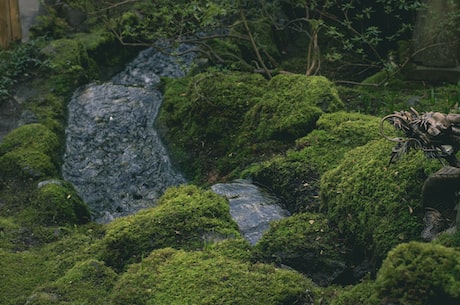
(363, 293)
(88, 282)
(70, 64)
(186, 217)
(169, 276)
(420, 274)
(306, 243)
(201, 118)
(29, 151)
(57, 203)
(290, 107)
(294, 176)
(376, 205)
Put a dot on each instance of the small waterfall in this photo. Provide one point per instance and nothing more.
(114, 156)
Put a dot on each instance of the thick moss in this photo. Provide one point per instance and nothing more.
(71, 65)
(186, 217)
(374, 205)
(58, 203)
(290, 107)
(295, 175)
(201, 119)
(88, 282)
(360, 294)
(170, 276)
(306, 243)
(30, 151)
(420, 274)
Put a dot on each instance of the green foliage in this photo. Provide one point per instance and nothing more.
(30, 151)
(374, 205)
(19, 63)
(170, 276)
(58, 203)
(186, 217)
(306, 243)
(420, 274)
(50, 25)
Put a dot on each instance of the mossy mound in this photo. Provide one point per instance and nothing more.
(186, 217)
(376, 205)
(295, 176)
(70, 64)
(201, 118)
(420, 274)
(88, 282)
(169, 276)
(57, 203)
(359, 294)
(29, 151)
(290, 107)
(306, 243)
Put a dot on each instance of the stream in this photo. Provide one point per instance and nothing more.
(115, 158)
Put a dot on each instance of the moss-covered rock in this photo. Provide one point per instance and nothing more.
(71, 65)
(376, 205)
(57, 203)
(294, 176)
(169, 276)
(290, 107)
(30, 151)
(359, 294)
(88, 282)
(186, 217)
(306, 243)
(201, 118)
(420, 274)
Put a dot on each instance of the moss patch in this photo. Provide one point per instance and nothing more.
(374, 205)
(306, 243)
(294, 176)
(30, 151)
(58, 204)
(186, 217)
(420, 274)
(170, 276)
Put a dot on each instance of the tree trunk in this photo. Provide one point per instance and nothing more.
(10, 22)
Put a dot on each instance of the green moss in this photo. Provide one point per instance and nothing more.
(201, 118)
(306, 243)
(290, 107)
(374, 205)
(23, 272)
(360, 294)
(30, 151)
(170, 276)
(58, 204)
(420, 274)
(186, 217)
(71, 65)
(88, 282)
(50, 110)
(294, 176)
